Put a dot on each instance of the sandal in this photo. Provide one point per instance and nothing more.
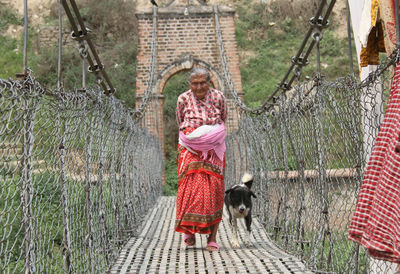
(212, 246)
(189, 239)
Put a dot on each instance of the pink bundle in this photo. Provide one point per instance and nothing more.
(206, 138)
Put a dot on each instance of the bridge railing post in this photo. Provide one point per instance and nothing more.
(88, 203)
(115, 133)
(324, 229)
(298, 153)
(103, 136)
(62, 128)
(27, 181)
(123, 184)
(284, 190)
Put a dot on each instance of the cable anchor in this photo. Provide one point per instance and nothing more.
(300, 61)
(81, 35)
(319, 23)
(284, 86)
(96, 68)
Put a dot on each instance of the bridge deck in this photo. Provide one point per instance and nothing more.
(158, 249)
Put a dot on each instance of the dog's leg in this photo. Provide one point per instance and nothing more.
(234, 227)
(235, 241)
(248, 227)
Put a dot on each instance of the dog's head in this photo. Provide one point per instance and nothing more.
(239, 196)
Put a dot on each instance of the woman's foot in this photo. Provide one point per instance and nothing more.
(212, 246)
(189, 239)
(212, 239)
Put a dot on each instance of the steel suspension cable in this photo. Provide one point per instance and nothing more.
(25, 60)
(59, 45)
(24, 72)
(83, 74)
(349, 37)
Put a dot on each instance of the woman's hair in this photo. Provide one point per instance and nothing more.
(199, 71)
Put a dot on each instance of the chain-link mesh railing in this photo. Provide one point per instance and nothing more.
(77, 176)
(308, 156)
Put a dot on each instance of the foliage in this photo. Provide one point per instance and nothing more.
(335, 56)
(175, 86)
(270, 35)
(46, 208)
(11, 57)
(255, 21)
(335, 248)
(171, 170)
(300, 11)
(113, 28)
(123, 71)
(46, 67)
(112, 21)
(259, 79)
(8, 17)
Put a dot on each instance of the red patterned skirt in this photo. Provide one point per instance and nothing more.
(376, 220)
(200, 196)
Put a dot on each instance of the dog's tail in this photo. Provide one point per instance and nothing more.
(247, 179)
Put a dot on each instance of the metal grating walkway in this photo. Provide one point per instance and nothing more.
(158, 249)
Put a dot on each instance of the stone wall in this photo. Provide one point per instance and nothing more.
(48, 36)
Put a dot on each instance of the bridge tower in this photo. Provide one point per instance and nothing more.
(186, 37)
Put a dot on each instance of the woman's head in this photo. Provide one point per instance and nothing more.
(199, 82)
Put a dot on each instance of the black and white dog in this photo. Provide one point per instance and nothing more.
(238, 204)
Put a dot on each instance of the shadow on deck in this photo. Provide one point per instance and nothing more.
(158, 249)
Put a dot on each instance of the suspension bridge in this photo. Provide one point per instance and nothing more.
(81, 177)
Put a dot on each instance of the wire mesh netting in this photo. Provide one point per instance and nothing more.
(77, 177)
(308, 156)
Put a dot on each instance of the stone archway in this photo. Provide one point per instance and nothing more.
(186, 37)
(184, 64)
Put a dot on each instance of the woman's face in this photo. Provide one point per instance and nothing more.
(199, 86)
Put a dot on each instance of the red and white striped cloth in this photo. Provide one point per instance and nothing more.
(376, 220)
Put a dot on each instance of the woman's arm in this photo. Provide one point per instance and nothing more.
(179, 111)
(223, 108)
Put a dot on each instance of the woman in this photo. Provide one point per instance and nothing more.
(201, 112)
